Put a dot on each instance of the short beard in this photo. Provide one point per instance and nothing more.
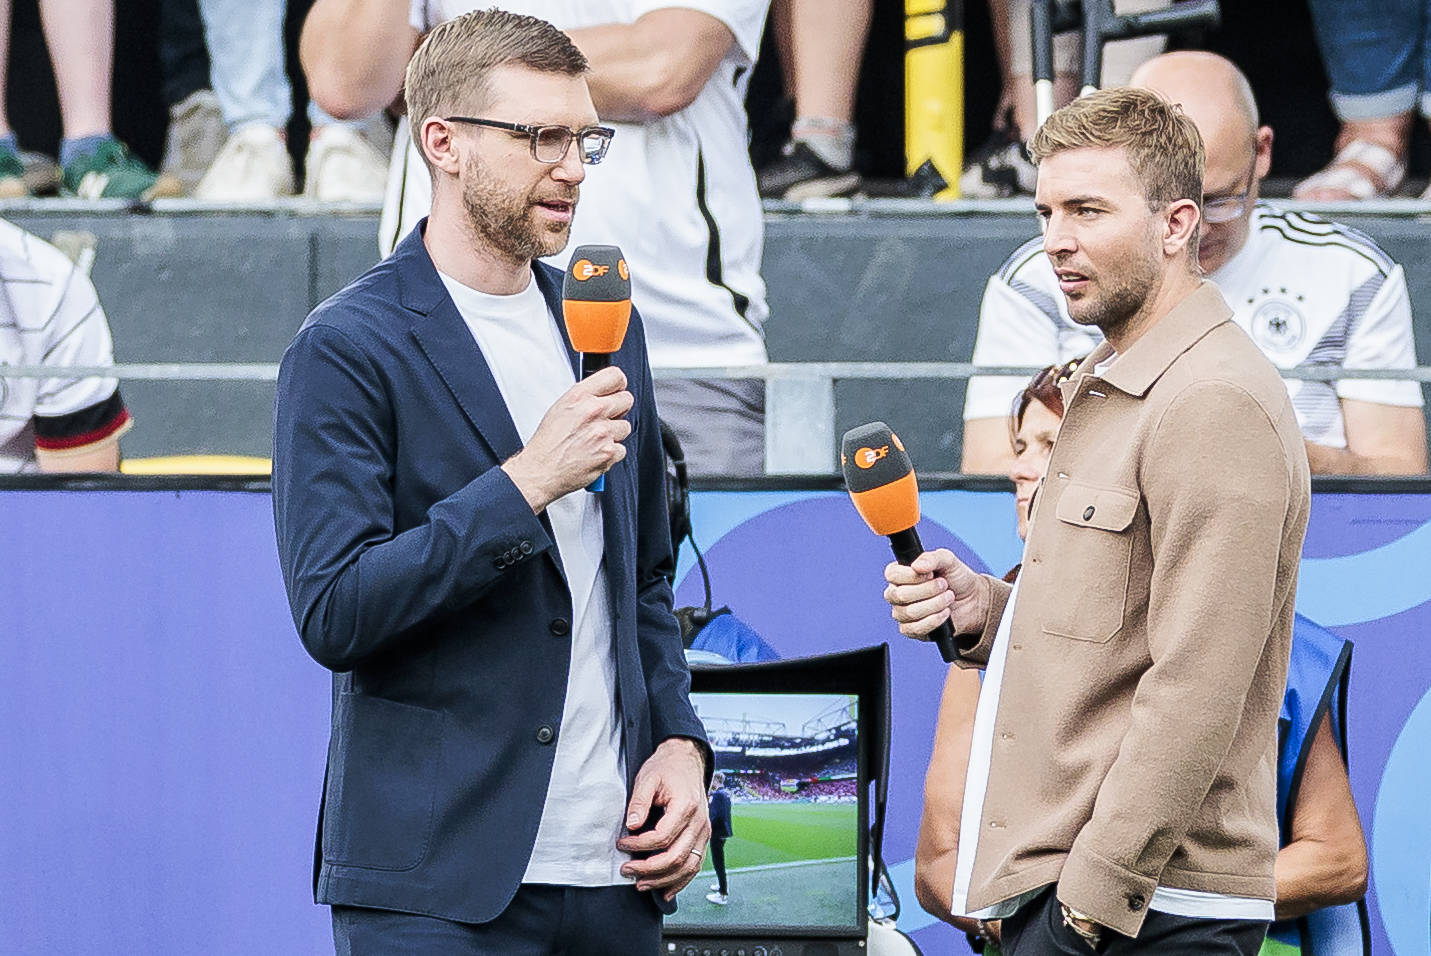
(503, 220)
(1122, 301)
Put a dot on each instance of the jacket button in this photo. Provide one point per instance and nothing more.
(560, 627)
(1136, 902)
(545, 734)
(525, 547)
(1088, 513)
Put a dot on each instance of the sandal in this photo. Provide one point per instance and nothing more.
(1360, 170)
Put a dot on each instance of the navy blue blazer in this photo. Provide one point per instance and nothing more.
(417, 572)
(719, 808)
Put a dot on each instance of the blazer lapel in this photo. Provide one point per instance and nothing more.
(448, 344)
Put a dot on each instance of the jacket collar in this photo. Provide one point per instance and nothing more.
(1201, 311)
(448, 344)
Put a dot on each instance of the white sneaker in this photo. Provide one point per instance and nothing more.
(715, 887)
(342, 166)
(718, 898)
(253, 166)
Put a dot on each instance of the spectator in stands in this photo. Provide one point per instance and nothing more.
(720, 832)
(1322, 861)
(1308, 291)
(246, 47)
(1001, 167)
(50, 316)
(821, 44)
(677, 192)
(1378, 56)
(93, 164)
(196, 124)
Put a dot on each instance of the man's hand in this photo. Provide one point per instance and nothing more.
(937, 587)
(578, 440)
(673, 779)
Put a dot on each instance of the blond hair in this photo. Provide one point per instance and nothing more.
(452, 68)
(1164, 148)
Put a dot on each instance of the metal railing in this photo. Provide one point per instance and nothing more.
(799, 396)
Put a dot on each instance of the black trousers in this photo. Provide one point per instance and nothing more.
(1037, 930)
(183, 55)
(717, 848)
(540, 921)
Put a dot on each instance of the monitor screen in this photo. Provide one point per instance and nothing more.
(789, 776)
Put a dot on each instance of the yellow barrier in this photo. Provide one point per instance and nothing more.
(197, 465)
(934, 89)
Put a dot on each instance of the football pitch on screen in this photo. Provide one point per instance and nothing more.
(787, 864)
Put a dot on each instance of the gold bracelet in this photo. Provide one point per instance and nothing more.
(1074, 920)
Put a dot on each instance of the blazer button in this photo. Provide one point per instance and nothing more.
(560, 627)
(525, 547)
(1136, 902)
(545, 734)
(1088, 513)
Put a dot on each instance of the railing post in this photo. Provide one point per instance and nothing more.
(799, 425)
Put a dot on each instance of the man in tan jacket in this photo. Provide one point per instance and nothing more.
(1120, 795)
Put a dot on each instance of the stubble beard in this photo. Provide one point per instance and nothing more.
(502, 218)
(1124, 295)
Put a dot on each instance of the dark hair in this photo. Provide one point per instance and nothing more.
(1044, 389)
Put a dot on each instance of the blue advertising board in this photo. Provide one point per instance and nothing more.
(165, 733)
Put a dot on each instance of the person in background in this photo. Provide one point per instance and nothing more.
(720, 832)
(93, 164)
(679, 196)
(50, 316)
(1378, 57)
(251, 82)
(821, 44)
(1309, 292)
(196, 123)
(1001, 168)
(1322, 864)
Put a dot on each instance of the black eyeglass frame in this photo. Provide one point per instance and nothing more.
(532, 132)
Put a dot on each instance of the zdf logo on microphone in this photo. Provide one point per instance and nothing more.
(866, 457)
(584, 269)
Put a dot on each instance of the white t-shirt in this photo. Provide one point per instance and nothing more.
(1308, 292)
(585, 804)
(677, 194)
(1178, 902)
(50, 315)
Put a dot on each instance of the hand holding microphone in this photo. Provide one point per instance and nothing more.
(927, 589)
(580, 437)
(596, 305)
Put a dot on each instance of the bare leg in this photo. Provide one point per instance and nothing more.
(80, 35)
(829, 41)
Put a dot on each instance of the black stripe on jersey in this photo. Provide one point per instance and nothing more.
(68, 431)
(80, 323)
(714, 268)
(64, 294)
(1379, 260)
(1020, 257)
(1315, 227)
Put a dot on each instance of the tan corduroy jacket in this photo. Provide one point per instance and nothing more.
(1136, 737)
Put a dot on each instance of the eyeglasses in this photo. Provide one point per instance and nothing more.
(1220, 209)
(1043, 388)
(550, 143)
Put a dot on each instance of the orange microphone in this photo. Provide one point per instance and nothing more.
(596, 305)
(880, 478)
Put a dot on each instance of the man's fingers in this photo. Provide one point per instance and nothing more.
(608, 381)
(923, 626)
(896, 573)
(662, 835)
(905, 594)
(939, 561)
(919, 610)
(638, 808)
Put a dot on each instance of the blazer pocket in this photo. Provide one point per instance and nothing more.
(1093, 523)
(382, 786)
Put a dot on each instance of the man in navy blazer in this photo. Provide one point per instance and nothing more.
(430, 460)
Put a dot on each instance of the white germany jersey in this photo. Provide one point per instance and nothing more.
(1308, 291)
(50, 315)
(677, 194)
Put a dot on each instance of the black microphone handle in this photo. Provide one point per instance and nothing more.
(593, 362)
(907, 547)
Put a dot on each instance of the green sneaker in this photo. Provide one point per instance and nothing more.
(12, 174)
(109, 172)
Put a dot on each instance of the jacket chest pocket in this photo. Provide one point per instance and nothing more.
(1095, 547)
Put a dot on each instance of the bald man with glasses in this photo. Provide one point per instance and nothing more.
(1308, 291)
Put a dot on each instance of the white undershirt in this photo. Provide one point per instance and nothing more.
(586, 801)
(1177, 902)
